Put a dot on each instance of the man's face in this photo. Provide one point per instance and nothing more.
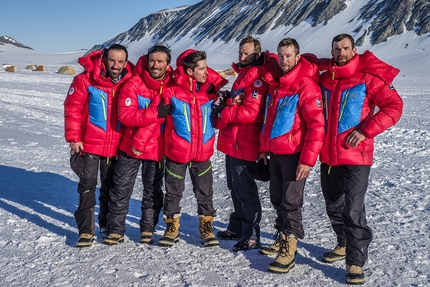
(342, 51)
(247, 54)
(287, 58)
(157, 65)
(200, 73)
(116, 63)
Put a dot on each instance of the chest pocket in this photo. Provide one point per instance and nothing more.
(351, 106)
(181, 118)
(98, 107)
(285, 113)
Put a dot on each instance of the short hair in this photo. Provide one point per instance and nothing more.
(340, 37)
(250, 39)
(286, 42)
(190, 61)
(118, 47)
(158, 47)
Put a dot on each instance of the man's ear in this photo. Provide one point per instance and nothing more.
(189, 72)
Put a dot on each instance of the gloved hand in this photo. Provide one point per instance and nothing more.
(163, 109)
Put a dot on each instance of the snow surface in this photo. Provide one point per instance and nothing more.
(38, 197)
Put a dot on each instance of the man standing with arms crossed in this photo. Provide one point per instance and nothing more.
(239, 125)
(142, 112)
(292, 135)
(92, 129)
(353, 86)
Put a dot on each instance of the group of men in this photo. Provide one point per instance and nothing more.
(286, 107)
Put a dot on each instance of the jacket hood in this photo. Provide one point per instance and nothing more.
(142, 71)
(93, 63)
(187, 83)
(304, 68)
(365, 63)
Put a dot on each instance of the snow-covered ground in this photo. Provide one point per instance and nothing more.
(38, 197)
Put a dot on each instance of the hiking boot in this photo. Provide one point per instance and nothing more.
(85, 240)
(227, 235)
(338, 253)
(246, 244)
(274, 248)
(206, 231)
(113, 239)
(286, 255)
(354, 275)
(171, 236)
(146, 237)
(104, 232)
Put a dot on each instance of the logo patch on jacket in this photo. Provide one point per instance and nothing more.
(391, 87)
(71, 91)
(128, 102)
(319, 104)
(258, 83)
(255, 95)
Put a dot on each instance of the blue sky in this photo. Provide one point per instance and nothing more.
(66, 26)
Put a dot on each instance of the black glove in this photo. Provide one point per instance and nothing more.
(223, 95)
(163, 110)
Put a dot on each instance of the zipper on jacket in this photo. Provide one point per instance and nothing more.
(332, 73)
(237, 145)
(290, 138)
(186, 118)
(343, 106)
(205, 119)
(326, 104)
(279, 111)
(104, 105)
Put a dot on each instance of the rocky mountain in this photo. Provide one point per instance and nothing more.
(229, 20)
(9, 40)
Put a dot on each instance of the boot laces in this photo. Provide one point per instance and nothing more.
(284, 247)
(207, 227)
(171, 227)
(277, 238)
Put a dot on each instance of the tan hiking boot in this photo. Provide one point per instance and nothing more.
(354, 275)
(113, 239)
(206, 231)
(274, 248)
(171, 236)
(146, 237)
(85, 240)
(286, 255)
(338, 253)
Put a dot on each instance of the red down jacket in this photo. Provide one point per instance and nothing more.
(190, 131)
(294, 120)
(350, 94)
(240, 124)
(138, 101)
(91, 107)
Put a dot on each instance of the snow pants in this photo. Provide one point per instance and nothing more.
(84, 215)
(246, 217)
(344, 188)
(125, 173)
(202, 180)
(286, 194)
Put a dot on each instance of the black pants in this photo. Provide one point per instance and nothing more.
(344, 188)
(202, 179)
(125, 173)
(286, 194)
(84, 215)
(246, 217)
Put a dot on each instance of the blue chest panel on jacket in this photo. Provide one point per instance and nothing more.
(207, 124)
(98, 107)
(351, 105)
(181, 118)
(284, 118)
(143, 102)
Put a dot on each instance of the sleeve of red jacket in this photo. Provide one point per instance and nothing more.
(390, 106)
(128, 107)
(311, 110)
(248, 110)
(74, 105)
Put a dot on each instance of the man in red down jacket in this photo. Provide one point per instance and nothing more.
(142, 112)
(92, 128)
(353, 86)
(292, 135)
(239, 123)
(190, 136)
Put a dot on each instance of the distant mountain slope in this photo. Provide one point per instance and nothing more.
(232, 19)
(9, 40)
